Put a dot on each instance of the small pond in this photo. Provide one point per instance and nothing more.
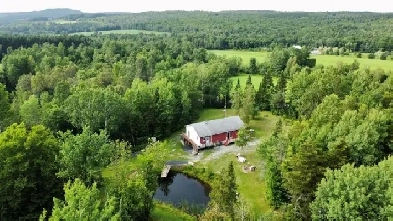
(179, 189)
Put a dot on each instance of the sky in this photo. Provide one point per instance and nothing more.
(206, 5)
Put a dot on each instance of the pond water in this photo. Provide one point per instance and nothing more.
(179, 189)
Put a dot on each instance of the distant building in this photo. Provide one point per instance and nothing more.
(297, 46)
(315, 51)
(213, 132)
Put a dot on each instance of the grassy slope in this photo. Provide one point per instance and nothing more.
(244, 55)
(166, 212)
(131, 31)
(321, 59)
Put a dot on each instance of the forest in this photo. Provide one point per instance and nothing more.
(357, 31)
(72, 106)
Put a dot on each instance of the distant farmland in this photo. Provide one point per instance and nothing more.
(130, 31)
(321, 59)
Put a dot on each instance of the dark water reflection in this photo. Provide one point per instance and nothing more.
(178, 188)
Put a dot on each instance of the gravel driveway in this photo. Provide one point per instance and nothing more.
(222, 150)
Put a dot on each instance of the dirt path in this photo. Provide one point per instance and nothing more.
(222, 150)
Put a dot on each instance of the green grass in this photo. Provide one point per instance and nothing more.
(131, 31)
(164, 211)
(364, 62)
(321, 59)
(255, 80)
(244, 55)
(62, 21)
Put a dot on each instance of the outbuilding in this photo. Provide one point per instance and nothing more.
(212, 133)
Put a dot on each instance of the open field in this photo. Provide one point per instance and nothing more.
(244, 55)
(130, 31)
(166, 212)
(321, 59)
(364, 61)
(61, 21)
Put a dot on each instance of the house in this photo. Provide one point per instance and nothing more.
(212, 133)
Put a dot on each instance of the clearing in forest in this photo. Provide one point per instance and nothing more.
(130, 32)
(321, 59)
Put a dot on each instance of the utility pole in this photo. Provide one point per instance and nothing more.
(225, 105)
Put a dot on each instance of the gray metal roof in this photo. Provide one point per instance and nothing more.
(212, 127)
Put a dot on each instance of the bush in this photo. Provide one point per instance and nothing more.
(359, 55)
(371, 56)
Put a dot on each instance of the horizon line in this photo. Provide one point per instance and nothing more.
(199, 10)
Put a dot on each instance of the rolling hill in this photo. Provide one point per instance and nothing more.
(7, 18)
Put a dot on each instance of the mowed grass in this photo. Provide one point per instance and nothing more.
(166, 212)
(325, 60)
(244, 55)
(251, 186)
(130, 32)
(256, 80)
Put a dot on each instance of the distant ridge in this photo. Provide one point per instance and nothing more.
(6, 18)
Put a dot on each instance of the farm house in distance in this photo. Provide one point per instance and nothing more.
(212, 133)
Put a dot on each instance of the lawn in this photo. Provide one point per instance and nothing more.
(364, 61)
(130, 31)
(321, 59)
(244, 55)
(164, 211)
(255, 80)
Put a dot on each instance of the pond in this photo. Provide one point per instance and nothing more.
(180, 189)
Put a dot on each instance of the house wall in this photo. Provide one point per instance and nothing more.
(193, 135)
(219, 137)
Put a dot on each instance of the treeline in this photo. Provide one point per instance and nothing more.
(355, 31)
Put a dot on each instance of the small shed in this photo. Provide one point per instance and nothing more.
(213, 132)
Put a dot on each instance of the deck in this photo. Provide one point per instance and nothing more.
(187, 141)
(168, 165)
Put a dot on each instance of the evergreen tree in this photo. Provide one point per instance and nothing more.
(263, 95)
(224, 195)
(249, 81)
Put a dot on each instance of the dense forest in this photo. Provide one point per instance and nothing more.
(363, 32)
(72, 105)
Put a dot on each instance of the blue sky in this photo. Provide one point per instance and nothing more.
(209, 5)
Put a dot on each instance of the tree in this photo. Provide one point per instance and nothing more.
(224, 195)
(301, 173)
(83, 203)
(355, 193)
(4, 105)
(28, 171)
(84, 155)
(244, 136)
(248, 110)
(31, 112)
(253, 69)
(263, 95)
(237, 99)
